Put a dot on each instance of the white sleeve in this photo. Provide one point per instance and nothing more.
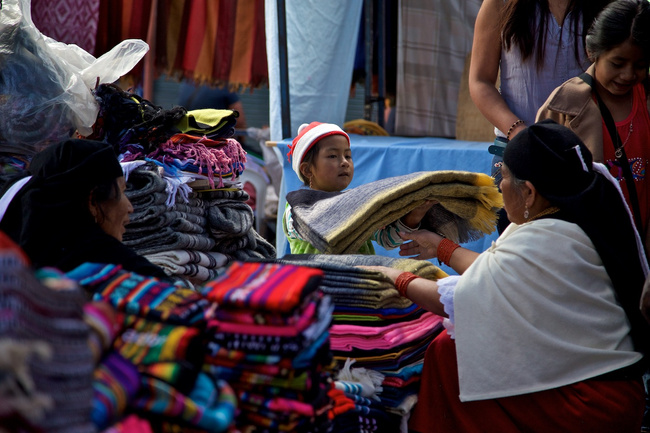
(446, 289)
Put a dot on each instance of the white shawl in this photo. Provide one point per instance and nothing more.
(537, 311)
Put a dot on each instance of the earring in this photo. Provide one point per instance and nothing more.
(310, 184)
(526, 213)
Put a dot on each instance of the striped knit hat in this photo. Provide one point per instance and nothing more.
(308, 135)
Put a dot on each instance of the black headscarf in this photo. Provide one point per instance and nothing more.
(50, 218)
(560, 166)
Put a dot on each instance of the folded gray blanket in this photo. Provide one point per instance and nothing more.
(143, 182)
(173, 258)
(167, 239)
(340, 222)
(144, 214)
(229, 218)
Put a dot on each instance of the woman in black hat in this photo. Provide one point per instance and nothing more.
(70, 208)
(544, 331)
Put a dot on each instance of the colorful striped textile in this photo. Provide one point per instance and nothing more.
(139, 295)
(115, 384)
(212, 41)
(209, 406)
(340, 222)
(264, 286)
(145, 342)
(379, 330)
(226, 160)
(207, 41)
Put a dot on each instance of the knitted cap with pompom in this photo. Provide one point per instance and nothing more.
(308, 135)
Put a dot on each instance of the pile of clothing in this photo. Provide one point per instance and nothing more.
(270, 339)
(380, 331)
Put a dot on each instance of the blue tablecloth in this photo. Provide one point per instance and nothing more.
(381, 157)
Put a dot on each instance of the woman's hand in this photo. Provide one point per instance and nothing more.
(423, 245)
(391, 273)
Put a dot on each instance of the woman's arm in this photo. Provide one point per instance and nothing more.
(484, 69)
(420, 290)
(424, 246)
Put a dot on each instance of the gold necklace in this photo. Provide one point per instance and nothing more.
(547, 211)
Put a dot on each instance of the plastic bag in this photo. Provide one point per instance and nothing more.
(45, 85)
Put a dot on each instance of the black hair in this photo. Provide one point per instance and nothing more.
(618, 22)
(107, 191)
(309, 157)
(518, 26)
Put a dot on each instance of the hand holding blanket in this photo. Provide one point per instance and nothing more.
(340, 222)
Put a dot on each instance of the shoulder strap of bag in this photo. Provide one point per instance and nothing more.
(618, 151)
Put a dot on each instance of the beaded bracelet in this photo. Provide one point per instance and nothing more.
(445, 250)
(512, 128)
(402, 281)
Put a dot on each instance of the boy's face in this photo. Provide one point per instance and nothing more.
(332, 168)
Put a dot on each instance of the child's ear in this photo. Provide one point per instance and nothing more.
(305, 169)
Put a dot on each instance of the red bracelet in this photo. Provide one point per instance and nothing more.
(445, 250)
(402, 281)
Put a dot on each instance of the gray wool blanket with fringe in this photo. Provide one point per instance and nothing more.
(340, 222)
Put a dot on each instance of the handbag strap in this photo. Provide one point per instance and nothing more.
(619, 151)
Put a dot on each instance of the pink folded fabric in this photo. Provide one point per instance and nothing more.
(349, 337)
(306, 319)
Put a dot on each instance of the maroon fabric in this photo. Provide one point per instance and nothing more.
(68, 21)
(259, 66)
(225, 41)
(594, 406)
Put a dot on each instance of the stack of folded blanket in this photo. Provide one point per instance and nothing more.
(190, 213)
(269, 339)
(196, 236)
(340, 222)
(154, 366)
(376, 327)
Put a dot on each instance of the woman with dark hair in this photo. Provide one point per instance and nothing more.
(534, 46)
(544, 332)
(70, 208)
(608, 107)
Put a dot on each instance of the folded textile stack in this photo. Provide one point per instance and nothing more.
(340, 222)
(355, 413)
(175, 393)
(143, 296)
(190, 213)
(46, 364)
(230, 222)
(269, 339)
(197, 235)
(155, 366)
(155, 227)
(376, 327)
